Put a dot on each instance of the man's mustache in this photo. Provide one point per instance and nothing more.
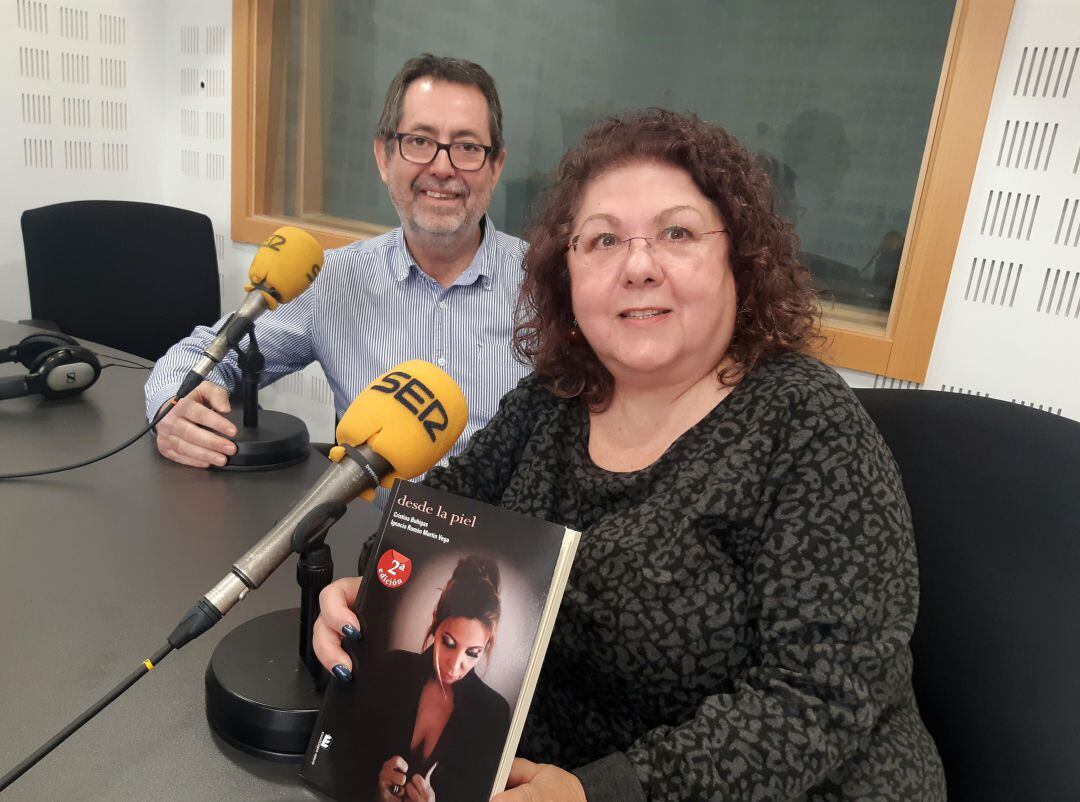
(449, 187)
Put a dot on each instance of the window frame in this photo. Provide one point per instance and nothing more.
(954, 137)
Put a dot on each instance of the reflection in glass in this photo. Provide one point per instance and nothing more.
(835, 97)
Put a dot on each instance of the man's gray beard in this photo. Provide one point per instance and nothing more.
(462, 231)
(417, 227)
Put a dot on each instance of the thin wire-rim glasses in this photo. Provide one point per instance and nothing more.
(671, 240)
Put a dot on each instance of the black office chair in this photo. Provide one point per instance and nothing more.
(134, 276)
(995, 496)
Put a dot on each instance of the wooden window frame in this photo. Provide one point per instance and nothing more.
(965, 89)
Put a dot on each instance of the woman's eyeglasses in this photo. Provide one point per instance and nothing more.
(601, 249)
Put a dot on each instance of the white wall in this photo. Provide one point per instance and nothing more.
(57, 73)
(1024, 349)
(1009, 332)
(148, 118)
(173, 147)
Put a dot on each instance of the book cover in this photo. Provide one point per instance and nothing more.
(456, 604)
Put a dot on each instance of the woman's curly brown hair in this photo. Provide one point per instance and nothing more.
(777, 310)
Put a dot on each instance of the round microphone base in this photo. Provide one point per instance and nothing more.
(278, 441)
(260, 697)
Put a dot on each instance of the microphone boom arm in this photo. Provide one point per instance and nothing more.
(343, 481)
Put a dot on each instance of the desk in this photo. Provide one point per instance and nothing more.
(96, 567)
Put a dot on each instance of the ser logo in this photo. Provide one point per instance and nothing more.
(275, 243)
(416, 397)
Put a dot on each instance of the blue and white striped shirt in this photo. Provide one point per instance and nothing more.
(371, 308)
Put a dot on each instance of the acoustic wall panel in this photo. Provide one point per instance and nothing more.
(36, 108)
(1068, 214)
(82, 93)
(76, 111)
(74, 23)
(1010, 327)
(37, 153)
(69, 70)
(1054, 72)
(199, 59)
(34, 63)
(889, 383)
(1031, 132)
(195, 54)
(74, 68)
(1003, 278)
(112, 29)
(32, 16)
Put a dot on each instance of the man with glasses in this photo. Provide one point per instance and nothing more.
(442, 287)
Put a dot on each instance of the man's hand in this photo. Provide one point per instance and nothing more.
(181, 435)
(532, 782)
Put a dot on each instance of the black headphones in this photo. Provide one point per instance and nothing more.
(59, 367)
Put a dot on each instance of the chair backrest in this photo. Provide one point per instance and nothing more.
(995, 497)
(134, 276)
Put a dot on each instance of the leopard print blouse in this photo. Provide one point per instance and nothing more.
(737, 620)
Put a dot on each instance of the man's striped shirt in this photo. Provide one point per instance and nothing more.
(372, 307)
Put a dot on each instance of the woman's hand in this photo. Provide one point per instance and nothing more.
(533, 782)
(393, 785)
(336, 620)
(392, 779)
(417, 790)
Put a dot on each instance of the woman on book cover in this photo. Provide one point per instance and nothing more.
(737, 621)
(450, 749)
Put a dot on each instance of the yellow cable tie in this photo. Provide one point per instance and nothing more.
(148, 664)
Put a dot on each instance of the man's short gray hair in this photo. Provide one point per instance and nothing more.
(440, 68)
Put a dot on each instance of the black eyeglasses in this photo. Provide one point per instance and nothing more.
(419, 149)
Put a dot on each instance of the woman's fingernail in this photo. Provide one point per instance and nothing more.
(352, 633)
(341, 673)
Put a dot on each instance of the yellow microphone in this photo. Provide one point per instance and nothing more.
(410, 417)
(284, 266)
(398, 427)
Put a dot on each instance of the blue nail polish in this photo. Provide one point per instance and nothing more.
(352, 633)
(342, 673)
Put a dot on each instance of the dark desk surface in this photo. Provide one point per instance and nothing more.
(96, 567)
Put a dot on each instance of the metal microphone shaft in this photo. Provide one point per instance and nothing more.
(340, 483)
(234, 330)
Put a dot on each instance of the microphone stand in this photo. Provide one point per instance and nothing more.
(265, 439)
(263, 684)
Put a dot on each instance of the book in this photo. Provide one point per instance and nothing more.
(456, 605)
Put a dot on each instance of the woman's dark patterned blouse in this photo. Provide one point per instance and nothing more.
(737, 621)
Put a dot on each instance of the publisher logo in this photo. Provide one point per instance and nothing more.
(394, 569)
(325, 739)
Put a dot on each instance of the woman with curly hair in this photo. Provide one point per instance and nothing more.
(737, 621)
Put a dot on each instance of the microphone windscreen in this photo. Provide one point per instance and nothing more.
(410, 416)
(285, 265)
